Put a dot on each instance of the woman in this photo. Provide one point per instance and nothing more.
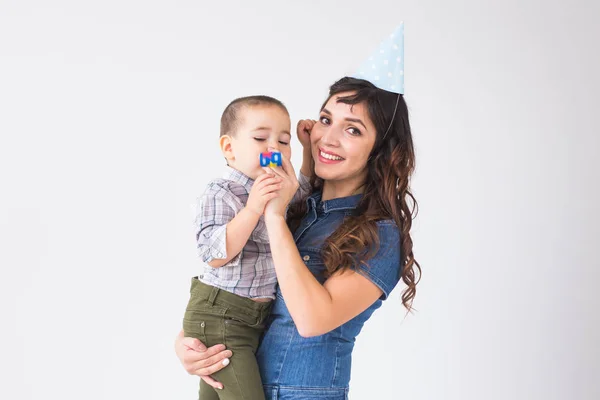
(340, 253)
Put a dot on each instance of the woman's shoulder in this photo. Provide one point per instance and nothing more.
(383, 268)
(388, 230)
(384, 222)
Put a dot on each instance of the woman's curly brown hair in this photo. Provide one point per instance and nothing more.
(386, 194)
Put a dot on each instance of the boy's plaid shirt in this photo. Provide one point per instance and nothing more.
(250, 273)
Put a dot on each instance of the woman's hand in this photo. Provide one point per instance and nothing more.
(289, 185)
(200, 361)
(303, 130)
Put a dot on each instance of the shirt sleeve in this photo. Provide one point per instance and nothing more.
(384, 268)
(215, 209)
(260, 233)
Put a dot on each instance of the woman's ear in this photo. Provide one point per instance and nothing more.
(225, 142)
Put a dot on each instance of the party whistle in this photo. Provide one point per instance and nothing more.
(270, 159)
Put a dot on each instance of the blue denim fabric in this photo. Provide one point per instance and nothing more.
(296, 368)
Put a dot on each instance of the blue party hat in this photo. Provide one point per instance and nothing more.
(385, 67)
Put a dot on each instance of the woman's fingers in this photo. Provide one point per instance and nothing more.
(211, 382)
(216, 350)
(285, 171)
(201, 361)
(210, 365)
(193, 343)
(184, 344)
(287, 166)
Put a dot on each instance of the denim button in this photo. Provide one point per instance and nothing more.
(306, 257)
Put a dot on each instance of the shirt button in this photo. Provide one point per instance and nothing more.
(306, 257)
(219, 255)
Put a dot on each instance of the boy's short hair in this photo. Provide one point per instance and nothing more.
(230, 118)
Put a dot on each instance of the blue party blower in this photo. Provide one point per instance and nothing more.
(270, 159)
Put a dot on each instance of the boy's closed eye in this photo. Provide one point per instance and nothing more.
(263, 139)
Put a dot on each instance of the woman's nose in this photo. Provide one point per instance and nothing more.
(330, 136)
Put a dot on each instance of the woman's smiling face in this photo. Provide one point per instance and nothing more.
(341, 141)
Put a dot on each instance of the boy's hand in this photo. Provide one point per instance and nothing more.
(303, 130)
(265, 188)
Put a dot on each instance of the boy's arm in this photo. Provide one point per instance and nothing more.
(242, 224)
(225, 224)
(219, 212)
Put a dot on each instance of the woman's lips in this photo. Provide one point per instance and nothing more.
(325, 160)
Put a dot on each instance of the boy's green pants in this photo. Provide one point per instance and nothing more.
(215, 316)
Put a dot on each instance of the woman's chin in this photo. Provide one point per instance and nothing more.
(325, 172)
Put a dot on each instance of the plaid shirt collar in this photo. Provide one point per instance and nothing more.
(232, 174)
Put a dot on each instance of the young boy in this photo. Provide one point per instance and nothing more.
(230, 302)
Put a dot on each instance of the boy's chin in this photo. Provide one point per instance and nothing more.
(250, 173)
(254, 173)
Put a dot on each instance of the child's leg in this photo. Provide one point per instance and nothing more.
(240, 379)
(215, 317)
(207, 392)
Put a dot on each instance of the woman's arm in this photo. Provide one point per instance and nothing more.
(303, 130)
(316, 309)
(307, 168)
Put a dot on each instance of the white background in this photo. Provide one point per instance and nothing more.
(109, 116)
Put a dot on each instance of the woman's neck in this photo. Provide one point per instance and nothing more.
(335, 190)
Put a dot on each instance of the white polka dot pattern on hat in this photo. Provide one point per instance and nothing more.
(379, 70)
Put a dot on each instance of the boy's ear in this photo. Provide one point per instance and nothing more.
(226, 148)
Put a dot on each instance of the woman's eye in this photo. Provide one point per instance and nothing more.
(324, 120)
(354, 131)
(260, 139)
